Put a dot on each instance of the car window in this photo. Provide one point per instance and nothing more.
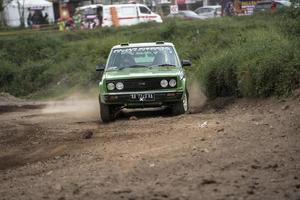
(180, 14)
(190, 14)
(126, 11)
(279, 5)
(142, 56)
(144, 10)
(205, 10)
(263, 6)
(200, 10)
(88, 11)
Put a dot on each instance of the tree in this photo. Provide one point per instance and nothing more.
(21, 8)
(3, 4)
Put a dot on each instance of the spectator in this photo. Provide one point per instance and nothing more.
(77, 19)
(29, 20)
(61, 25)
(35, 18)
(273, 6)
(69, 25)
(44, 19)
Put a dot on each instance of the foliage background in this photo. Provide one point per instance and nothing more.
(250, 56)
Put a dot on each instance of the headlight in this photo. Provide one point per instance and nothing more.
(181, 75)
(119, 85)
(164, 83)
(172, 82)
(110, 86)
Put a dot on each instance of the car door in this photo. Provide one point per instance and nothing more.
(208, 12)
(200, 11)
(204, 12)
(127, 15)
(144, 14)
(180, 15)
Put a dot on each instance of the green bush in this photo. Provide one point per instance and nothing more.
(239, 56)
(7, 75)
(258, 63)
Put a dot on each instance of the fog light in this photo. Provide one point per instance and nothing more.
(111, 98)
(171, 94)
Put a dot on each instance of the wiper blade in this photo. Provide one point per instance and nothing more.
(132, 66)
(112, 68)
(166, 65)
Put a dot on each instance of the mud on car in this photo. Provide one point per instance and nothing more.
(142, 75)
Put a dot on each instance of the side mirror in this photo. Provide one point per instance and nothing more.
(186, 63)
(100, 67)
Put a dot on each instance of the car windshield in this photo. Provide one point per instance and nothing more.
(88, 11)
(134, 57)
(200, 10)
(263, 5)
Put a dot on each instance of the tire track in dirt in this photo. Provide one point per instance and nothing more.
(248, 149)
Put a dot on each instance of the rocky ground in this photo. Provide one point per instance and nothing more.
(236, 149)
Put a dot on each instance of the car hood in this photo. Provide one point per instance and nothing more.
(131, 73)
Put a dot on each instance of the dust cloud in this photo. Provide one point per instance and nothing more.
(85, 104)
(81, 104)
(197, 99)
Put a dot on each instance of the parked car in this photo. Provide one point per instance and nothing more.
(185, 14)
(209, 11)
(124, 14)
(142, 75)
(267, 5)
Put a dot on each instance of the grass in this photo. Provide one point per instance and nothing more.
(251, 56)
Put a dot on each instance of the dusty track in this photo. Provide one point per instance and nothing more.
(248, 150)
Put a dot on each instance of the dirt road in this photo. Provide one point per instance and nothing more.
(239, 149)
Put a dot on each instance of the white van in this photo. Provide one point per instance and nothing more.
(127, 14)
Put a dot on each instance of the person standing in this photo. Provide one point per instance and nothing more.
(77, 20)
(69, 24)
(29, 20)
(45, 19)
(273, 6)
(61, 24)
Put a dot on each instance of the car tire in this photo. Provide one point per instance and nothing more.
(182, 106)
(106, 113)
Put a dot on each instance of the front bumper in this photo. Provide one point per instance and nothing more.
(159, 98)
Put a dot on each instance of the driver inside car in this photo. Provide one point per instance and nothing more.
(159, 59)
(127, 61)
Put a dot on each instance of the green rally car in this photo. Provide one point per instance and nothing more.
(142, 75)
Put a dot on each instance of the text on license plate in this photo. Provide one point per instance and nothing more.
(142, 97)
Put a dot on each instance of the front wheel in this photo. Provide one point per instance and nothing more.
(182, 106)
(106, 113)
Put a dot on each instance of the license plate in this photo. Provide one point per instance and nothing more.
(142, 97)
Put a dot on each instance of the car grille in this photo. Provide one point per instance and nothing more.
(142, 84)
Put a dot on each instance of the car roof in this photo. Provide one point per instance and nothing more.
(89, 6)
(128, 4)
(284, 3)
(277, 1)
(146, 44)
(114, 5)
(215, 6)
